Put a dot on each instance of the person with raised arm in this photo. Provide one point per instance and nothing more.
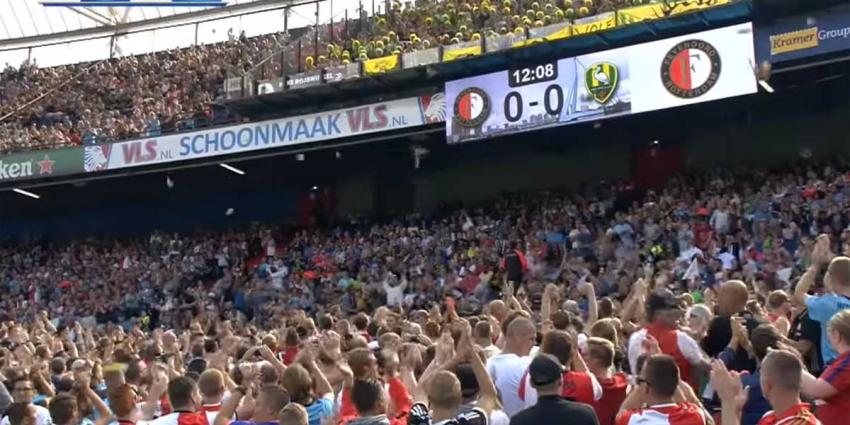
(821, 308)
(780, 381)
(270, 400)
(546, 375)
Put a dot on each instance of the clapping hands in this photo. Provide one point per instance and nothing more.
(728, 385)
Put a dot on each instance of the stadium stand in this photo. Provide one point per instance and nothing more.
(680, 291)
(137, 96)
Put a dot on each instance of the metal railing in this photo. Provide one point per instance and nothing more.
(286, 68)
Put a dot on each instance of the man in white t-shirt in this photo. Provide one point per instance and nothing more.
(506, 369)
(394, 289)
(484, 337)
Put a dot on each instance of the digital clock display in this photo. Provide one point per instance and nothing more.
(650, 76)
(534, 74)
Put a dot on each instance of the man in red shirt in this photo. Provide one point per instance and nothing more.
(664, 312)
(578, 384)
(833, 386)
(599, 356)
(780, 380)
(668, 401)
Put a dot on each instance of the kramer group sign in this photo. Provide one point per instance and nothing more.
(800, 37)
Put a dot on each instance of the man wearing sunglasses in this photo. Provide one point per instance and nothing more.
(661, 398)
(23, 391)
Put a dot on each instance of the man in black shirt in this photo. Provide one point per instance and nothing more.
(805, 335)
(731, 301)
(546, 376)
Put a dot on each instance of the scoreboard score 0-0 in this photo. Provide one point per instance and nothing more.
(678, 71)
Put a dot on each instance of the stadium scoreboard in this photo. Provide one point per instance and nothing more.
(662, 74)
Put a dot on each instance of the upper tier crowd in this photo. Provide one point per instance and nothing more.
(151, 94)
(721, 298)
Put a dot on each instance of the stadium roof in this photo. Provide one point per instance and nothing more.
(28, 18)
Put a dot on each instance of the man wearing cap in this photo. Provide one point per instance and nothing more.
(664, 312)
(546, 376)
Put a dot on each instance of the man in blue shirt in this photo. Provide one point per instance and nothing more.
(836, 281)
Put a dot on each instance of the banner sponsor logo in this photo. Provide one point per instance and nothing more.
(31, 165)
(798, 37)
(14, 170)
(793, 41)
(96, 157)
(336, 124)
(434, 108)
(304, 79)
(667, 73)
(342, 72)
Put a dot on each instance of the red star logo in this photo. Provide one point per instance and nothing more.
(45, 166)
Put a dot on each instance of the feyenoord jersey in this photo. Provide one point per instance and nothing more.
(664, 414)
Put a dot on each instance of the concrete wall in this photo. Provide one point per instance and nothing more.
(474, 180)
(771, 141)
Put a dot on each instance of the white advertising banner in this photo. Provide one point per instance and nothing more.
(662, 74)
(290, 131)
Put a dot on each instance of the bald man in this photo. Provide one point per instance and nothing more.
(506, 369)
(497, 309)
(732, 299)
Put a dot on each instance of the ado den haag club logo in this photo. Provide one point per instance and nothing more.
(690, 69)
(472, 107)
(601, 80)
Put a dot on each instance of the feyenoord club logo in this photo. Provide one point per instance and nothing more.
(690, 69)
(472, 107)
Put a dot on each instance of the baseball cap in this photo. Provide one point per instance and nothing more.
(544, 369)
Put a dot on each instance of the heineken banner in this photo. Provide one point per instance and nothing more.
(41, 164)
(661, 74)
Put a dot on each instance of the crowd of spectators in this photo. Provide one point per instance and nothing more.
(134, 96)
(610, 305)
(758, 227)
(120, 98)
